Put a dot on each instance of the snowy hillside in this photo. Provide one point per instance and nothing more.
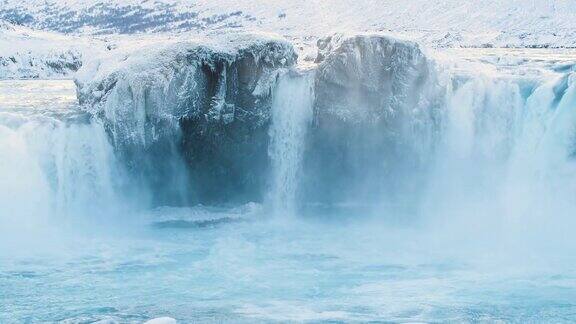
(53, 38)
(516, 23)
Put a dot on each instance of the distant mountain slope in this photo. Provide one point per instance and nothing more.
(110, 17)
(518, 23)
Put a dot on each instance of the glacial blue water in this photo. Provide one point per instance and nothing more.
(256, 270)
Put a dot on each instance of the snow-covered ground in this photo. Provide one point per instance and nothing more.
(74, 31)
(441, 22)
(31, 54)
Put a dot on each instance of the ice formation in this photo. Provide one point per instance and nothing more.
(203, 105)
(193, 119)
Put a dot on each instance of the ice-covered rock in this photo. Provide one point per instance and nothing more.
(373, 94)
(205, 103)
(220, 80)
(369, 77)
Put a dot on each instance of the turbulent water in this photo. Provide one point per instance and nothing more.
(486, 237)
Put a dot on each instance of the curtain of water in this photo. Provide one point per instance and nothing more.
(291, 115)
(505, 165)
(56, 164)
(72, 165)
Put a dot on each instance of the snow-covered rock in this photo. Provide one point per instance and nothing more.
(205, 102)
(373, 93)
(31, 54)
(369, 77)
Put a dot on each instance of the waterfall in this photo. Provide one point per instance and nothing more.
(292, 104)
(56, 164)
(505, 162)
(24, 190)
(72, 164)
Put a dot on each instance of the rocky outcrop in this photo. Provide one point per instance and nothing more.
(197, 115)
(199, 106)
(369, 77)
(374, 93)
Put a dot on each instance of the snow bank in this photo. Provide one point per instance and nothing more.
(444, 24)
(29, 54)
(452, 23)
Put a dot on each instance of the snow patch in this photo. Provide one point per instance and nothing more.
(31, 54)
(161, 320)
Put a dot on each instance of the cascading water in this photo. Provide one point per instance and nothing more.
(291, 117)
(490, 241)
(504, 165)
(544, 160)
(57, 164)
(474, 145)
